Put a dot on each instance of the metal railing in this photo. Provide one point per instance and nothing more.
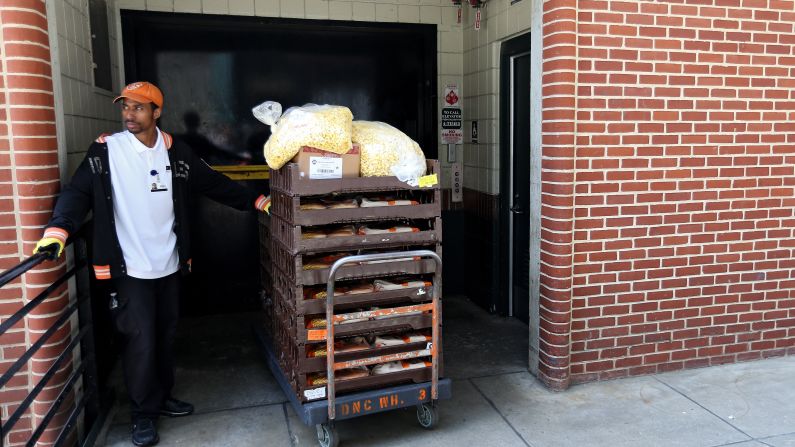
(88, 402)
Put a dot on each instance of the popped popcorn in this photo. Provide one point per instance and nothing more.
(324, 127)
(387, 151)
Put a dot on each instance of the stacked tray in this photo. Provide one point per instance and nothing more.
(315, 222)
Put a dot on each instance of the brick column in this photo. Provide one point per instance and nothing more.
(29, 181)
(557, 188)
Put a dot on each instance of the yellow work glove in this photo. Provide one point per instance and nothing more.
(263, 204)
(51, 246)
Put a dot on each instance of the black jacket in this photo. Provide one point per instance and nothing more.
(90, 189)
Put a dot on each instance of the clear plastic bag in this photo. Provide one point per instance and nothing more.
(325, 127)
(388, 151)
(268, 112)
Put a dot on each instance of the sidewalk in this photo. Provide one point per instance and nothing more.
(495, 401)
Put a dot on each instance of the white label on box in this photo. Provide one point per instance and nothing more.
(325, 167)
(317, 393)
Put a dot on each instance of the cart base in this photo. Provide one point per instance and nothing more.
(352, 405)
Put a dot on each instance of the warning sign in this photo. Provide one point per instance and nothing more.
(451, 96)
(452, 132)
(451, 118)
(452, 136)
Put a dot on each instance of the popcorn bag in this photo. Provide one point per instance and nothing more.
(386, 151)
(325, 127)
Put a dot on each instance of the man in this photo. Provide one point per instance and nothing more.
(138, 183)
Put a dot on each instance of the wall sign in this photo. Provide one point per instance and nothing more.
(452, 132)
(451, 96)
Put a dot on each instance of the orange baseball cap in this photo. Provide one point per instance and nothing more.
(142, 92)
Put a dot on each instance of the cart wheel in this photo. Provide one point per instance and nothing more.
(327, 435)
(427, 416)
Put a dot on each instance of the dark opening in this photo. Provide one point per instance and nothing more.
(514, 298)
(100, 43)
(214, 69)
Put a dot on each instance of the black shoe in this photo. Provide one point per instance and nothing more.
(144, 432)
(175, 408)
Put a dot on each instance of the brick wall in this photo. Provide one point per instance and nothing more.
(29, 180)
(683, 181)
(557, 190)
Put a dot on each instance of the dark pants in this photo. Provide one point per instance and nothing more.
(146, 316)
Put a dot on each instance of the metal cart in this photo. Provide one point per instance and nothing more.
(324, 413)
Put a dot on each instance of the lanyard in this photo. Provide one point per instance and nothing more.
(150, 153)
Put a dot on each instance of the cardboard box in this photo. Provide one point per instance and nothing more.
(318, 164)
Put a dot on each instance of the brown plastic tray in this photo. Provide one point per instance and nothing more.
(296, 356)
(299, 382)
(288, 208)
(265, 261)
(315, 364)
(289, 181)
(298, 378)
(294, 295)
(291, 238)
(296, 324)
(292, 267)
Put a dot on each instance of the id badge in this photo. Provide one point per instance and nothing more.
(157, 187)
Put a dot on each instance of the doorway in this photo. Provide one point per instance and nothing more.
(214, 69)
(515, 178)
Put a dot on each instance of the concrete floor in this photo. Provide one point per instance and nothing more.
(495, 401)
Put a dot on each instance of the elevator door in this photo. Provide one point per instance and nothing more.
(515, 172)
(213, 69)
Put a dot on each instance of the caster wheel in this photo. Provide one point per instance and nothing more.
(427, 416)
(327, 435)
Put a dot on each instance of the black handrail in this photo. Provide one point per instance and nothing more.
(22, 313)
(43, 382)
(22, 361)
(86, 368)
(21, 268)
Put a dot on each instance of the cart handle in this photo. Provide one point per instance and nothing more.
(330, 315)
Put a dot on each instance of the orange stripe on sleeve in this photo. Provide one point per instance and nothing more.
(102, 271)
(261, 202)
(57, 233)
(167, 139)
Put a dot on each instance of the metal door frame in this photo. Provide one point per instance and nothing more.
(511, 125)
(535, 39)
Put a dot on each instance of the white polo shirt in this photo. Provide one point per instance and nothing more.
(143, 206)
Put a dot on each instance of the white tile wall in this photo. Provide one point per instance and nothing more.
(317, 9)
(386, 12)
(466, 57)
(215, 6)
(266, 8)
(481, 57)
(241, 7)
(86, 110)
(160, 5)
(194, 6)
(408, 13)
(292, 8)
(364, 12)
(340, 10)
